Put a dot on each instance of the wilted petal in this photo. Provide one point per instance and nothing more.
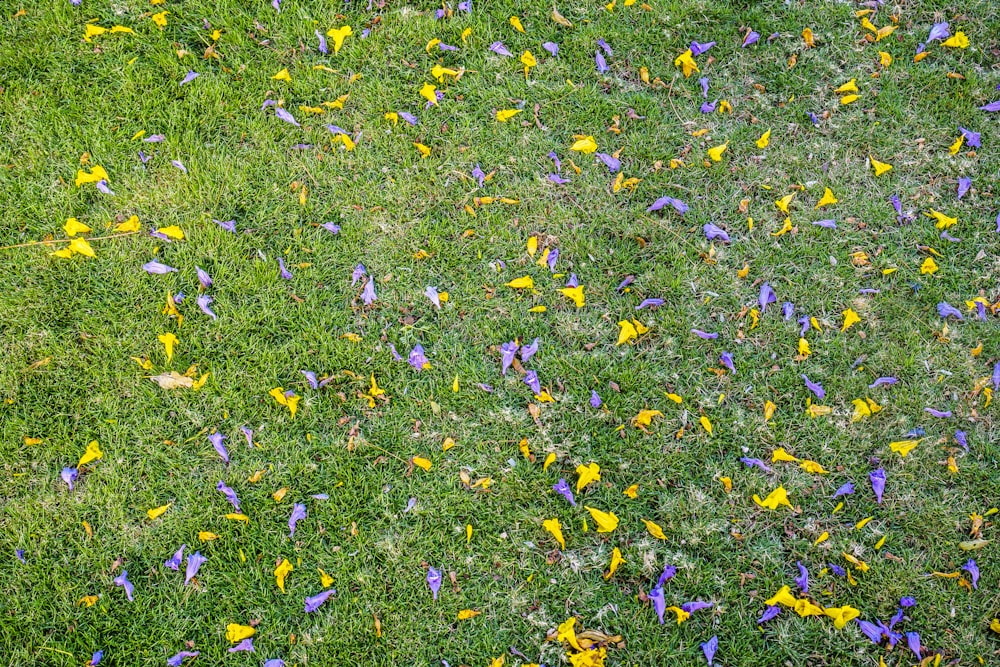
(174, 562)
(189, 77)
(298, 514)
(285, 116)
(713, 232)
(122, 581)
(814, 387)
(216, 440)
(157, 268)
(229, 494)
(203, 302)
(194, 563)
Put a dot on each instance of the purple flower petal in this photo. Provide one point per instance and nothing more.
(102, 186)
(814, 387)
(228, 225)
(203, 277)
(174, 562)
(432, 294)
(122, 581)
(669, 572)
(180, 165)
(877, 478)
(825, 224)
(939, 31)
(602, 64)
(973, 571)
(507, 352)
(699, 48)
(368, 293)
(417, 359)
(709, 648)
(203, 302)
(557, 179)
(285, 116)
(802, 581)
(479, 175)
(69, 475)
(940, 414)
(992, 106)
(562, 488)
(704, 334)
(408, 117)
(871, 630)
(331, 227)
(650, 303)
(708, 107)
(713, 232)
(767, 296)
(696, 605)
(604, 46)
(551, 47)
(726, 359)
(157, 268)
(846, 489)
(659, 602)
(434, 581)
(322, 43)
(314, 603)
(883, 381)
(298, 514)
(703, 82)
(189, 77)
(283, 270)
(95, 659)
(751, 38)
(216, 440)
(962, 439)
(154, 139)
(612, 163)
(501, 50)
(229, 494)
(913, 643)
(176, 660)
(964, 183)
(528, 351)
(531, 379)
(946, 310)
(244, 646)
(662, 202)
(595, 399)
(755, 463)
(194, 563)
(769, 613)
(787, 310)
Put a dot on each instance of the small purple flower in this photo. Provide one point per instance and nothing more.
(973, 571)
(432, 294)
(203, 302)
(611, 162)
(946, 310)
(203, 277)
(964, 183)
(767, 296)
(699, 48)
(650, 303)
(245, 645)
(595, 399)
(465, 6)
(871, 630)
(228, 225)
(154, 139)
(358, 273)
(283, 270)
(434, 581)
(331, 227)
(322, 43)
(179, 165)
(709, 648)
(176, 660)
(602, 64)
(298, 514)
(216, 440)
(825, 224)
(417, 359)
(122, 581)
(501, 50)
(837, 570)
(408, 117)
(562, 488)
(802, 581)
(804, 324)
(555, 160)
(846, 489)
(669, 572)
(696, 605)
(189, 77)
(194, 563)
(368, 293)
(913, 643)
(507, 352)
(714, 232)
(877, 479)
(96, 658)
(787, 310)
(907, 602)
(940, 414)
(814, 387)
(557, 179)
(883, 381)
(939, 31)
(174, 562)
(659, 602)
(531, 379)
(601, 44)
(769, 613)
(726, 359)
(813, 117)
(751, 38)
(992, 106)
(662, 202)
(962, 439)
(229, 494)
(528, 351)
(156, 268)
(973, 139)
(755, 463)
(314, 603)
(704, 334)
(102, 186)
(703, 82)
(285, 116)
(144, 158)
(708, 107)
(551, 47)
(69, 475)
(311, 379)
(479, 175)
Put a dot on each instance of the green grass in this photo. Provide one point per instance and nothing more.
(61, 97)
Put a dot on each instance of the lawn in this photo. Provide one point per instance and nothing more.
(671, 314)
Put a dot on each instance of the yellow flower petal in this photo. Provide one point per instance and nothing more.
(606, 521)
(92, 453)
(236, 633)
(553, 526)
(157, 512)
(774, 500)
